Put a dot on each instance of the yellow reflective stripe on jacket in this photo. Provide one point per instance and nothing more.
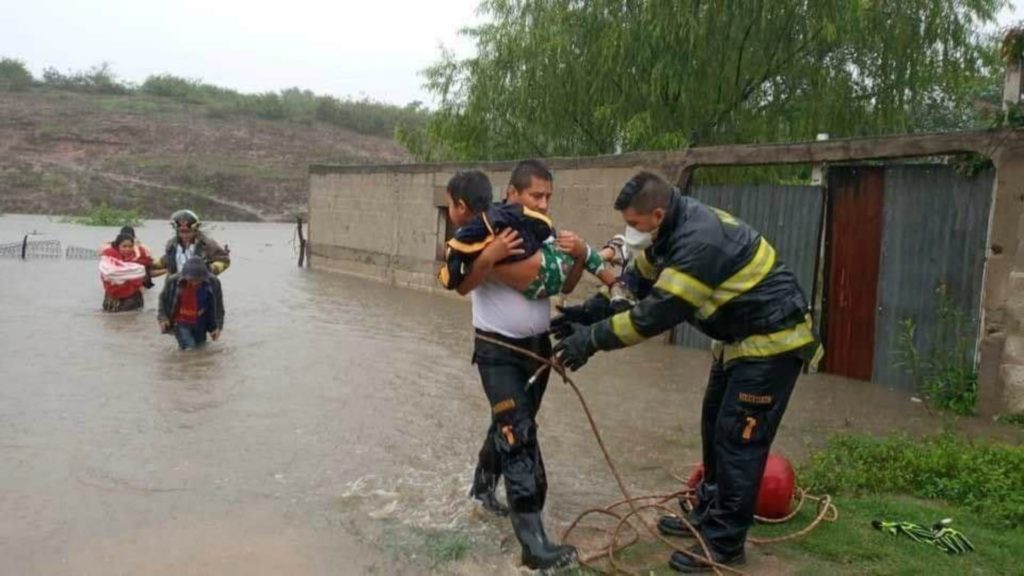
(644, 266)
(624, 330)
(682, 285)
(470, 248)
(765, 345)
(529, 213)
(741, 282)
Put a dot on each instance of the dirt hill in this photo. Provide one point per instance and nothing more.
(65, 152)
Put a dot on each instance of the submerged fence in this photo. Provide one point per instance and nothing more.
(46, 249)
(32, 249)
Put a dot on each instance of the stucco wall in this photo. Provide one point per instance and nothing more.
(383, 223)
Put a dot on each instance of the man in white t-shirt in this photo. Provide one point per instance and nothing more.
(511, 449)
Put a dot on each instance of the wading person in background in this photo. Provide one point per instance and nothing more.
(142, 253)
(123, 273)
(703, 266)
(511, 449)
(192, 305)
(189, 241)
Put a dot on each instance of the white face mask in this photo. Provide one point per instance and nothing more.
(637, 240)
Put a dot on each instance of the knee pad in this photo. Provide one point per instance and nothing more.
(515, 434)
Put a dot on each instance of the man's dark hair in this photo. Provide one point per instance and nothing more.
(472, 187)
(644, 192)
(524, 173)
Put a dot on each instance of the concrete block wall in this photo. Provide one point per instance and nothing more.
(382, 222)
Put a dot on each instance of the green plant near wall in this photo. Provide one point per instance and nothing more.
(945, 375)
(104, 215)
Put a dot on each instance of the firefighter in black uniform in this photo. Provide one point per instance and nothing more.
(703, 266)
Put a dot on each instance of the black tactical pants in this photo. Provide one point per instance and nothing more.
(511, 448)
(743, 406)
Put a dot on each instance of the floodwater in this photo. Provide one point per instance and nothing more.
(331, 430)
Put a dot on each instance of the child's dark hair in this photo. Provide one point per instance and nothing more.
(121, 238)
(473, 188)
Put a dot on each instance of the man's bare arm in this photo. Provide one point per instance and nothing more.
(571, 243)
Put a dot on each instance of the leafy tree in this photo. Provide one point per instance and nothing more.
(581, 77)
(14, 76)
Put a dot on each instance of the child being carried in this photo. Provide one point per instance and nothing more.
(542, 268)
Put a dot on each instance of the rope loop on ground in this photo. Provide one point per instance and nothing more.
(826, 511)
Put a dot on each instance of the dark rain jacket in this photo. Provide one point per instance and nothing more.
(212, 317)
(712, 270)
(534, 229)
(217, 259)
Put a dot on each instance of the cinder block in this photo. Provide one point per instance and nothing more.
(1013, 389)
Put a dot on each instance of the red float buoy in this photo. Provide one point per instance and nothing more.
(778, 484)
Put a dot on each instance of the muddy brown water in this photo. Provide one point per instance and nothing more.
(332, 430)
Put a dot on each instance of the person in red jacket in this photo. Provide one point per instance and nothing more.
(123, 273)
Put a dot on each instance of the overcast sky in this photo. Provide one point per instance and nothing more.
(357, 48)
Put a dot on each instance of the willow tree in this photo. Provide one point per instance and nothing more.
(581, 77)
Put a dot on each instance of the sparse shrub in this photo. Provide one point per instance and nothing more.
(104, 215)
(945, 375)
(14, 76)
(98, 79)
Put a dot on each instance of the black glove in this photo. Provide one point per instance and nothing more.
(576, 347)
(593, 310)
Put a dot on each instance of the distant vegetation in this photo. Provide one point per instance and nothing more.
(293, 104)
(106, 216)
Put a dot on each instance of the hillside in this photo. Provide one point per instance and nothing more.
(65, 152)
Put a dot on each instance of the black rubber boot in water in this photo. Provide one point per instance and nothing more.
(484, 491)
(682, 563)
(539, 553)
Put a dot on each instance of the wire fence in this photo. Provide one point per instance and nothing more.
(34, 249)
(81, 253)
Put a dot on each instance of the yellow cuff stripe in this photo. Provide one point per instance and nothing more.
(624, 330)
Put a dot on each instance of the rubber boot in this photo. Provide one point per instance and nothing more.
(672, 525)
(539, 553)
(682, 563)
(484, 491)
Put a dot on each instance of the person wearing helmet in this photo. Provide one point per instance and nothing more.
(190, 241)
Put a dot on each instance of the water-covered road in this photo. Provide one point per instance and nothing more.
(332, 430)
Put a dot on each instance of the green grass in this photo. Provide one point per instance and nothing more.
(1013, 419)
(984, 477)
(433, 547)
(852, 546)
(26, 178)
(443, 547)
(198, 169)
(107, 216)
(979, 484)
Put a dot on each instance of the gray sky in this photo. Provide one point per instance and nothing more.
(373, 48)
(355, 48)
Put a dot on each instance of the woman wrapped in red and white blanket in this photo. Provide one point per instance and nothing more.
(123, 270)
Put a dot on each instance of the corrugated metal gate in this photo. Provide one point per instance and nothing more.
(900, 238)
(935, 224)
(788, 216)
